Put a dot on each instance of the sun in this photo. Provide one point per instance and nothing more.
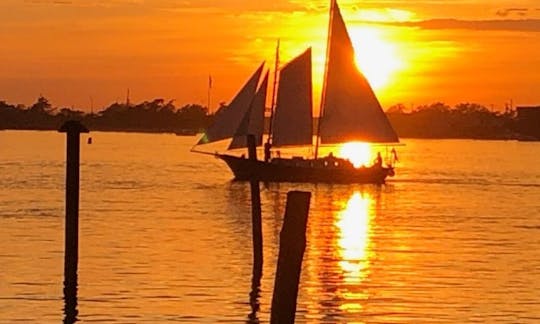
(376, 57)
(358, 153)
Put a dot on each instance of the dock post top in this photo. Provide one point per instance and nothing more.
(73, 126)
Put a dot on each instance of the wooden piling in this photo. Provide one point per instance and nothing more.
(71, 253)
(292, 244)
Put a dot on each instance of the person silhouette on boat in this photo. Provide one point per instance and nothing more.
(378, 160)
(267, 147)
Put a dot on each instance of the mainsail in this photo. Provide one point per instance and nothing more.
(227, 121)
(292, 123)
(253, 121)
(350, 110)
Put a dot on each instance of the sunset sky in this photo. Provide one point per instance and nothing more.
(79, 52)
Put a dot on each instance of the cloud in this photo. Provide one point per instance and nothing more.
(56, 2)
(191, 6)
(88, 3)
(530, 25)
(510, 11)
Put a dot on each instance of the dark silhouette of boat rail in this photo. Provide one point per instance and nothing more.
(322, 170)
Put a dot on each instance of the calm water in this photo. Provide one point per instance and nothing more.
(165, 236)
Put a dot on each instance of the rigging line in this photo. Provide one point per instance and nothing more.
(202, 152)
(272, 106)
(323, 95)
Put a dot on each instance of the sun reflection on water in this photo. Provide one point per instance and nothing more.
(341, 240)
(354, 224)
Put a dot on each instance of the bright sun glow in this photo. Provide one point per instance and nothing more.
(375, 56)
(384, 15)
(357, 152)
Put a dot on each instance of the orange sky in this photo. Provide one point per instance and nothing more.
(75, 52)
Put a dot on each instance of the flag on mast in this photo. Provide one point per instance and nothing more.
(209, 91)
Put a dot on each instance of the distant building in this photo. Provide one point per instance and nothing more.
(528, 122)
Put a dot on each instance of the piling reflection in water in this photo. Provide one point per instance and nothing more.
(70, 300)
(254, 296)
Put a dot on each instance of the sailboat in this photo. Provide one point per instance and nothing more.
(350, 111)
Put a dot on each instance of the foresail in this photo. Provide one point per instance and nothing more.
(293, 119)
(253, 121)
(350, 109)
(228, 120)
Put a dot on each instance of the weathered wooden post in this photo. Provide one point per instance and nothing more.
(71, 253)
(256, 221)
(292, 244)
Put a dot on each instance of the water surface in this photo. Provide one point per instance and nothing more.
(165, 236)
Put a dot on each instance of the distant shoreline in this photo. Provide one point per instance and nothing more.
(193, 133)
(182, 132)
(435, 121)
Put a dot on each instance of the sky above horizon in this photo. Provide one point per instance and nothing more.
(83, 53)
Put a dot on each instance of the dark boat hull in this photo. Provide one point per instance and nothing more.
(309, 171)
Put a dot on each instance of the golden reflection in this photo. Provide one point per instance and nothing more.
(339, 269)
(354, 224)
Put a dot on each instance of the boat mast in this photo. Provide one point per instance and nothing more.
(272, 105)
(323, 90)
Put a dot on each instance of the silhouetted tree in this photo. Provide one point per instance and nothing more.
(9, 115)
(193, 116)
(396, 109)
(42, 107)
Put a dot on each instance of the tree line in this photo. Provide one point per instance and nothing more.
(437, 120)
(465, 120)
(157, 115)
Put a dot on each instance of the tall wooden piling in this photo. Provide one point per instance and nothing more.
(71, 253)
(292, 244)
